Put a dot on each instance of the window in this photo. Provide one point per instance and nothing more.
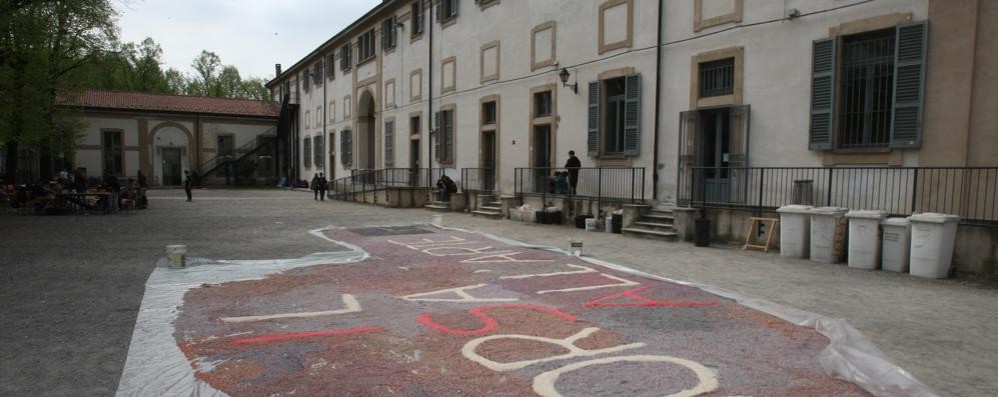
(366, 46)
(346, 148)
(486, 3)
(318, 150)
(330, 69)
(880, 90)
(306, 152)
(445, 136)
(113, 157)
(389, 33)
(417, 18)
(489, 113)
(542, 104)
(332, 111)
(304, 81)
(614, 116)
(317, 73)
(446, 9)
(389, 143)
(318, 116)
(345, 61)
(717, 78)
(308, 119)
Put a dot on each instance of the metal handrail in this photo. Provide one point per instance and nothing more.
(602, 184)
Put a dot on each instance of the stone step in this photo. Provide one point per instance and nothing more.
(490, 214)
(661, 218)
(490, 207)
(668, 227)
(495, 203)
(667, 236)
(438, 208)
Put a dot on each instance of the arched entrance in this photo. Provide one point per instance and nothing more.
(366, 126)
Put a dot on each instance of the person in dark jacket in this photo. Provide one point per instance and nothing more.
(323, 184)
(446, 186)
(572, 165)
(141, 200)
(314, 185)
(188, 184)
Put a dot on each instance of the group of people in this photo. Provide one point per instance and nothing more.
(319, 185)
(43, 195)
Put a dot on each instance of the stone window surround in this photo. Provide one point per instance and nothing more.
(390, 88)
(415, 135)
(346, 108)
(332, 110)
(481, 61)
(453, 87)
(413, 96)
(491, 127)
(700, 24)
(611, 160)
(537, 64)
(735, 99)
(629, 40)
(103, 150)
(484, 4)
(551, 120)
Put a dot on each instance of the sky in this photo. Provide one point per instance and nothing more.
(252, 35)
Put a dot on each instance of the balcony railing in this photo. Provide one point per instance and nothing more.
(970, 192)
(478, 180)
(362, 181)
(609, 184)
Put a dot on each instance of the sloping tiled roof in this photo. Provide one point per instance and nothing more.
(144, 101)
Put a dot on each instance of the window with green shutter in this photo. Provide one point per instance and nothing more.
(389, 143)
(306, 152)
(446, 9)
(345, 61)
(346, 148)
(614, 117)
(389, 33)
(317, 151)
(417, 17)
(822, 94)
(593, 119)
(330, 68)
(909, 85)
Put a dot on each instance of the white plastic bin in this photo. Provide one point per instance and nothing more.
(176, 256)
(897, 243)
(864, 238)
(828, 234)
(932, 239)
(795, 230)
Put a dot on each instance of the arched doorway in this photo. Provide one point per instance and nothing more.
(366, 126)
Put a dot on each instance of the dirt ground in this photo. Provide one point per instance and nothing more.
(72, 285)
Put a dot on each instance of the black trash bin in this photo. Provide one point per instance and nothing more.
(580, 221)
(617, 222)
(701, 232)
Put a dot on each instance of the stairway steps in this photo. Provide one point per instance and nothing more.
(655, 225)
(669, 236)
(490, 214)
(658, 218)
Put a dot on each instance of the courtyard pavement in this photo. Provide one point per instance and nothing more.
(72, 287)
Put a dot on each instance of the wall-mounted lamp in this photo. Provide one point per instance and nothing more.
(564, 75)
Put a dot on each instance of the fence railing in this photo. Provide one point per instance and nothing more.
(610, 184)
(970, 192)
(362, 181)
(478, 180)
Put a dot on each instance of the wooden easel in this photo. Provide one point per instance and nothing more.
(769, 233)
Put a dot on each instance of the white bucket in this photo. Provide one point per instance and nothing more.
(175, 256)
(575, 247)
(609, 224)
(438, 220)
(591, 224)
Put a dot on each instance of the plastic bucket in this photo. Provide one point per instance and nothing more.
(438, 220)
(175, 256)
(591, 224)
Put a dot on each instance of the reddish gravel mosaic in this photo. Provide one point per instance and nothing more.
(447, 313)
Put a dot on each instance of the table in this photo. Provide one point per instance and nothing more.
(90, 201)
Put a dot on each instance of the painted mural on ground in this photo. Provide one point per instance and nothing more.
(442, 312)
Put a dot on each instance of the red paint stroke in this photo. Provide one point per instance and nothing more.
(426, 319)
(303, 335)
(642, 301)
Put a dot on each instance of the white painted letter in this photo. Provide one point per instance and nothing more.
(469, 349)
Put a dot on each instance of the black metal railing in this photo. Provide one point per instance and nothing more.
(478, 180)
(363, 181)
(220, 159)
(609, 184)
(970, 192)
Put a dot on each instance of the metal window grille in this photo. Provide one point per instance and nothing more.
(717, 78)
(867, 90)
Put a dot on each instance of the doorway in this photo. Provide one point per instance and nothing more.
(488, 160)
(542, 157)
(715, 153)
(171, 167)
(367, 125)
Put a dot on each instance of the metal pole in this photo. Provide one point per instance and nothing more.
(828, 201)
(762, 185)
(914, 192)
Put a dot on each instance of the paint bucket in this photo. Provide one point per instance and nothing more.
(438, 220)
(575, 247)
(590, 224)
(175, 256)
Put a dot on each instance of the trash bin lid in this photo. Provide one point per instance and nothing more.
(829, 211)
(866, 214)
(903, 222)
(933, 217)
(795, 209)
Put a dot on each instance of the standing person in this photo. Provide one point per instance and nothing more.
(323, 184)
(314, 185)
(188, 184)
(143, 185)
(573, 164)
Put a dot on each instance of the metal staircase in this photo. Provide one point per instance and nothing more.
(263, 146)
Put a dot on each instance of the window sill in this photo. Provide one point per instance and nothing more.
(366, 60)
(444, 23)
(869, 150)
(415, 37)
(389, 50)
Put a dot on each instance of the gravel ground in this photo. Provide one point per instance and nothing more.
(71, 285)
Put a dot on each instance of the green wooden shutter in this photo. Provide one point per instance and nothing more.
(909, 85)
(449, 135)
(453, 9)
(632, 115)
(593, 123)
(346, 148)
(436, 136)
(822, 94)
(440, 9)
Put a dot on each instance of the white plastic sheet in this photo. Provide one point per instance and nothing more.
(156, 366)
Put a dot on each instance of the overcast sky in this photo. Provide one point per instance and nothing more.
(253, 35)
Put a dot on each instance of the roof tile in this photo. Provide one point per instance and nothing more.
(145, 101)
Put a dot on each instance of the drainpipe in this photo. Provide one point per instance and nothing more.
(429, 116)
(658, 100)
(324, 154)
